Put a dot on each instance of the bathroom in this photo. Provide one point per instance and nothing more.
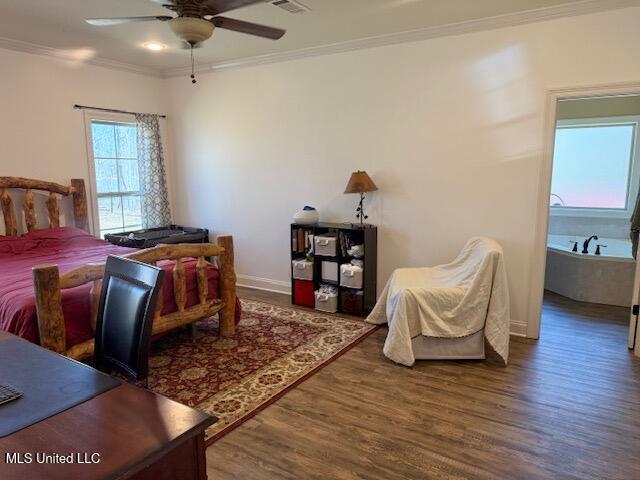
(594, 191)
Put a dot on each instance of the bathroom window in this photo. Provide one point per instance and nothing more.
(593, 168)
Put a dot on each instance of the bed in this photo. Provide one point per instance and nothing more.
(50, 278)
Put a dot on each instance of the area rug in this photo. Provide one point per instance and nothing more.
(274, 349)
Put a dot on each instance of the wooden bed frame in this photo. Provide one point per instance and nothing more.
(48, 283)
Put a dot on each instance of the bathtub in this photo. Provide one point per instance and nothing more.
(606, 278)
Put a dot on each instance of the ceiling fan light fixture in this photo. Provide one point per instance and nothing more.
(191, 29)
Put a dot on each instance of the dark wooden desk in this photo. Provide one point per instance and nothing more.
(138, 435)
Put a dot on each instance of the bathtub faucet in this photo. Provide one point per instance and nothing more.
(585, 245)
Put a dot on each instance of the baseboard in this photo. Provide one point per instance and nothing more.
(519, 329)
(266, 284)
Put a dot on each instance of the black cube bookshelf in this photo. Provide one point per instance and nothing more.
(346, 234)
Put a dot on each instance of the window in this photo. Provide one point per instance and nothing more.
(593, 168)
(117, 185)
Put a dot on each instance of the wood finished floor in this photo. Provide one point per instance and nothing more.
(566, 407)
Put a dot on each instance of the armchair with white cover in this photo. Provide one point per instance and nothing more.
(447, 311)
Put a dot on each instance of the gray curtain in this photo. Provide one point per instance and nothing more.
(153, 181)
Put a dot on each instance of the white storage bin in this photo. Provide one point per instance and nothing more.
(330, 271)
(351, 276)
(302, 269)
(325, 245)
(327, 302)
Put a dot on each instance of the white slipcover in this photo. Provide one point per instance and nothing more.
(447, 301)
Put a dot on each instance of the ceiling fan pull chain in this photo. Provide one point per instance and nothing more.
(193, 74)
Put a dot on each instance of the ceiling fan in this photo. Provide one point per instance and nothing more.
(196, 20)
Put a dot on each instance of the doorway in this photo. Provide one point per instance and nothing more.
(592, 184)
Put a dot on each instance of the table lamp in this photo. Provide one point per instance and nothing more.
(360, 183)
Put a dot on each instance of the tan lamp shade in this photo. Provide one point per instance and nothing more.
(360, 182)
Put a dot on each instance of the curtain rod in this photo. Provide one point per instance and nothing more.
(110, 110)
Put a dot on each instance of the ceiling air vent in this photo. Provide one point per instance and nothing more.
(291, 6)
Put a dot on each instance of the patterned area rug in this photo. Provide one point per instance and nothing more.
(274, 349)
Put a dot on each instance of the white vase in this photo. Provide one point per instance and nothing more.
(307, 217)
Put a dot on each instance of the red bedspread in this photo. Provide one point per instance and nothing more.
(68, 248)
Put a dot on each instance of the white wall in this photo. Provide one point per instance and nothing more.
(451, 130)
(41, 135)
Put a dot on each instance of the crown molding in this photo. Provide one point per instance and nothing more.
(26, 47)
(500, 21)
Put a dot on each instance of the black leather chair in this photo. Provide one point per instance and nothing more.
(125, 316)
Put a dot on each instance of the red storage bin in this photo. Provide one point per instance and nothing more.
(304, 293)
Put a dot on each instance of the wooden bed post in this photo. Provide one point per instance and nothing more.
(54, 211)
(10, 223)
(46, 280)
(29, 210)
(80, 209)
(227, 287)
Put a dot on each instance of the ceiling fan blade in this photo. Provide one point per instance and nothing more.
(248, 27)
(215, 7)
(102, 22)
